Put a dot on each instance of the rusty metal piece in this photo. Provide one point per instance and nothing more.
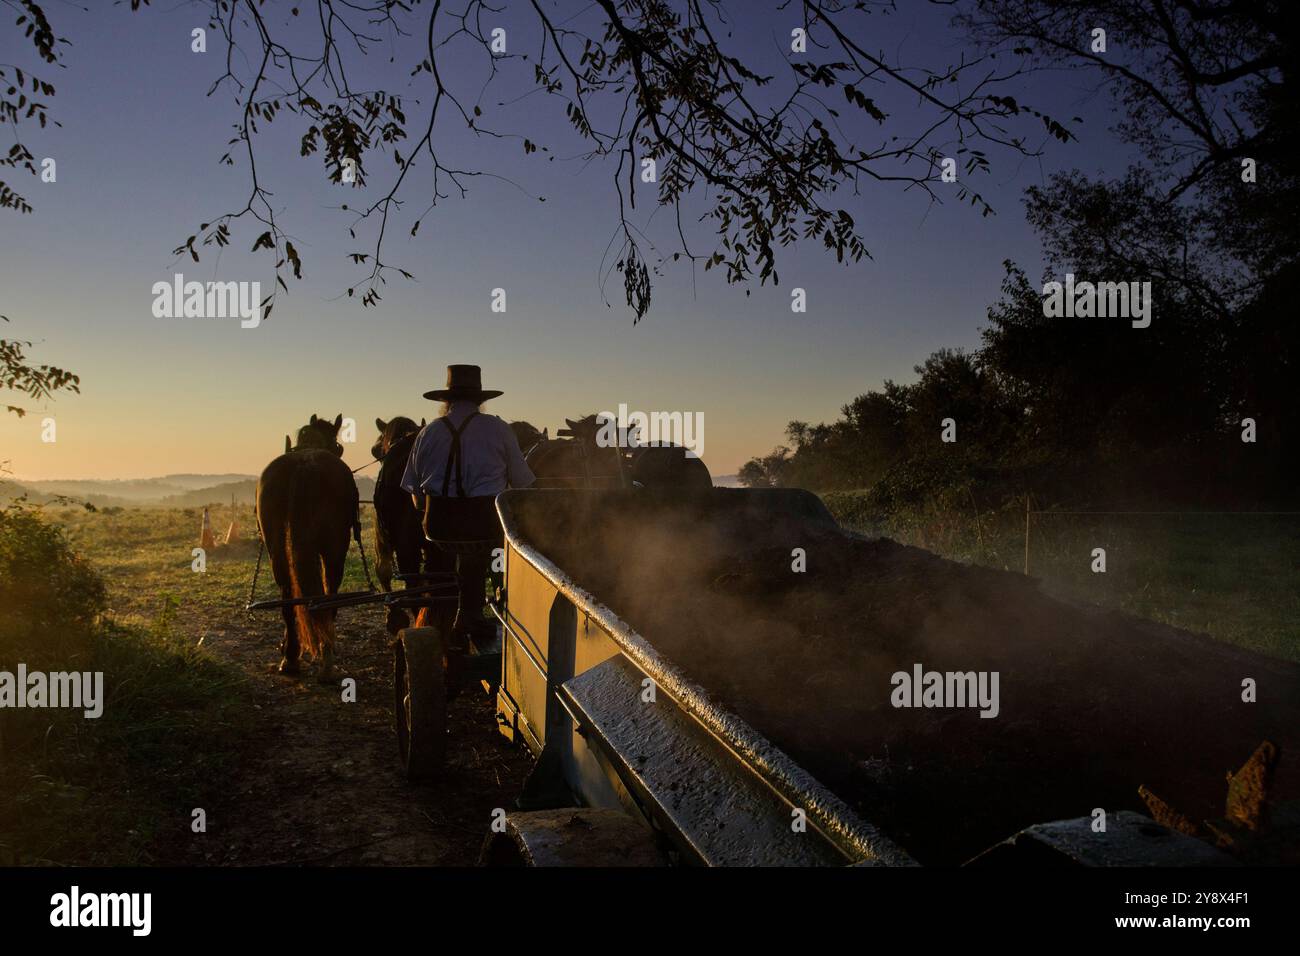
(1246, 808)
(1167, 816)
(1247, 804)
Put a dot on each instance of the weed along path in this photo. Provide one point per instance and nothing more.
(307, 777)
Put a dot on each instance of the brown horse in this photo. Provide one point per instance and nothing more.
(307, 508)
(399, 534)
(527, 435)
(317, 433)
(578, 460)
(574, 459)
(398, 539)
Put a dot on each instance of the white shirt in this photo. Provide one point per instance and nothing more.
(490, 459)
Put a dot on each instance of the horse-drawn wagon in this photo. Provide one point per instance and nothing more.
(615, 725)
(657, 682)
(703, 675)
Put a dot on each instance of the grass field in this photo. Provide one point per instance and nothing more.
(145, 555)
(1235, 577)
(104, 792)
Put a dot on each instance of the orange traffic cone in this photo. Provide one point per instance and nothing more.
(207, 541)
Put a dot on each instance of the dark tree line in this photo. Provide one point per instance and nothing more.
(1090, 409)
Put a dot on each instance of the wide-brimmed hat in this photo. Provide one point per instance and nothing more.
(463, 381)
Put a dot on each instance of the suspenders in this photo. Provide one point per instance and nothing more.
(453, 457)
(462, 524)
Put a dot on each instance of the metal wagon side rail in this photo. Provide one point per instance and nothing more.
(854, 837)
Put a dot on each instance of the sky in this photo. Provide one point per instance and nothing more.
(137, 171)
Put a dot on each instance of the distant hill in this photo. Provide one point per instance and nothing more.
(193, 482)
(242, 490)
(169, 491)
(115, 492)
(41, 492)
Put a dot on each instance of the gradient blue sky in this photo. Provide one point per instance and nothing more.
(137, 171)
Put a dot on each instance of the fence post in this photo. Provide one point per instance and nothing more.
(1026, 534)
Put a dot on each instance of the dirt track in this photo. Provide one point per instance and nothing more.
(318, 781)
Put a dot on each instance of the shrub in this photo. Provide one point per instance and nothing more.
(51, 596)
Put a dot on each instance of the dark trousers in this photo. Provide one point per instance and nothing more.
(469, 529)
(471, 578)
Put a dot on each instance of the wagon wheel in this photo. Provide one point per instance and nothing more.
(420, 699)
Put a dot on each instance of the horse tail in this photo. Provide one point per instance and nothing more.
(307, 579)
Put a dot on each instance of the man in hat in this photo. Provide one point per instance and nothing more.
(458, 465)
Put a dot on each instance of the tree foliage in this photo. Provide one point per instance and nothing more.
(766, 153)
(18, 375)
(21, 107)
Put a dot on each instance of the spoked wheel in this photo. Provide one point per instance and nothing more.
(420, 691)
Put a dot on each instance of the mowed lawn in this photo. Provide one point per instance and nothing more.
(1235, 577)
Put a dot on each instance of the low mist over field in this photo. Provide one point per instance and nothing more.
(168, 491)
